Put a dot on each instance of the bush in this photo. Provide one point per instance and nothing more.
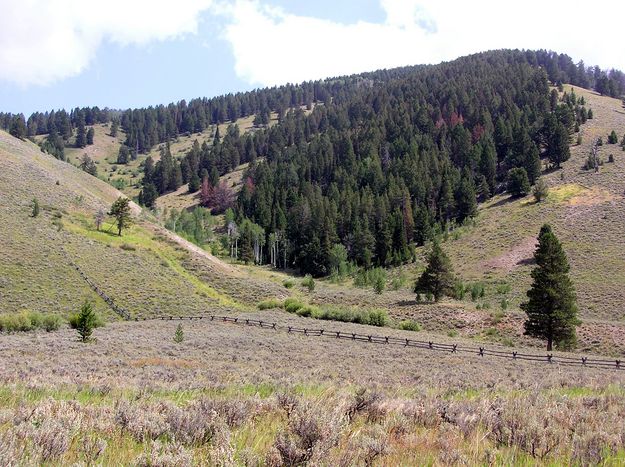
(379, 285)
(477, 291)
(288, 283)
(308, 311)
(28, 321)
(292, 305)
(377, 318)
(308, 282)
(541, 190)
(409, 325)
(269, 304)
(613, 138)
(611, 158)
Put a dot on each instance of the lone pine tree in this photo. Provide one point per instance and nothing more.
(551, 309)
(437, 279)
(121, 211)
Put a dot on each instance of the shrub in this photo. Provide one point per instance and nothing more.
(613, 138)
(308, 282)
(28, 321)
(379, 285)
(308, 311)
(541, 190)
(127, 247)
(269, 304)
(611, 158)
(377, 318)
(477, 291)
(292, 305)
(288, 283)
(409, 325)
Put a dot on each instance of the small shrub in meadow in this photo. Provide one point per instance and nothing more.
(292, 305)
(409, 325)
(288, 283)
(24, 321)
(309, 283)
(269, 304)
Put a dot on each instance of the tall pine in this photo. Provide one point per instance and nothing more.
(438, 278)
(551, 309)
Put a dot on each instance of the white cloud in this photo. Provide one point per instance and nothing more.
(42, 41)
(272, 46)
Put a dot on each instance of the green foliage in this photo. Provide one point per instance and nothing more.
(309, 283)
(399, 281)
(121, 211)
(551, 309)
(409, 325)
(28, 321)
(270, 304)
(504, 289)
(541, 190)
(179, 334)
(87, 165)
(196, 226)
(34, 208)
(518, 183)
(437, 279)
(613, 138)
(477, 291)
(372, 317)
(85, 321)
(292, 304)
(288, 283)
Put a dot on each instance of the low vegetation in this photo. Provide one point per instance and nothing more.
(29, 321)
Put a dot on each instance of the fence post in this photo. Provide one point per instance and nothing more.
(549, 358)
(481, 351)
(514, 355)
(453, 350)
(618, 364)
(583, 360)
(430, 345)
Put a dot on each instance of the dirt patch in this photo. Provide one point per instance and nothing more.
(516, 256)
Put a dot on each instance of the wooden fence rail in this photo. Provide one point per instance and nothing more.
(581, 361)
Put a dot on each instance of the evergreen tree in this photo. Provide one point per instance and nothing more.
(123, 156)
(518, 183)
(81, 134)
(121, 211)
(148, 195)
(179, 334)
(612, 138)
(87, 164)
(114, 128)
(18, 126)
(551, 309)
(85, 322)
(466, 199)
(194, 183)
(90, 134)
(437, 279)
(558, 141)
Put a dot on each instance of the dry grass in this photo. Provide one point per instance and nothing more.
(240, 394)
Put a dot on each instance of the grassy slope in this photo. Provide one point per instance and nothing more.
(144, 271)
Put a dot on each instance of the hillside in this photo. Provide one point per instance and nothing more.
(214, 367)
(139, 270)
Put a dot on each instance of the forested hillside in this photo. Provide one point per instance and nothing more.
(359, 168)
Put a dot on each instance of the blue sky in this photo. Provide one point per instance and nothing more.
(131, 53)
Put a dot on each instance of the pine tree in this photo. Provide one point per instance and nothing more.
(81, 135)
(551, 309)
(90, 134)
(123, 156)
(194, 183)
(121, 211)
(612, 138)
(87, 164)
(179, 334)
(518, 183)
(114, 128)
(18, 126)
(437, 278)
(85, 322)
